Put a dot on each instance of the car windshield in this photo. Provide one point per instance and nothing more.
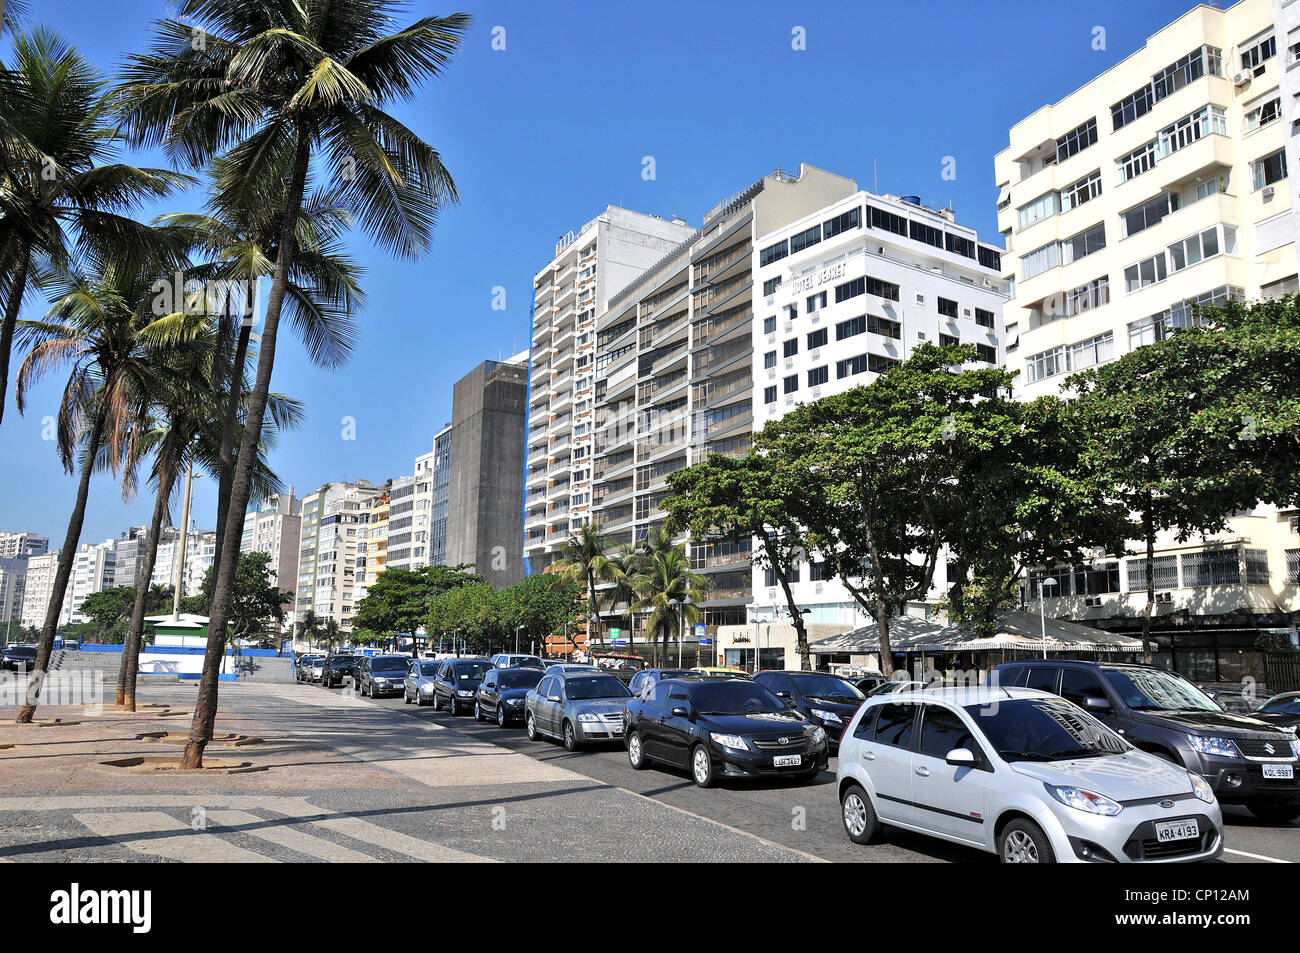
(22, 650)
(734, 697)
(817, 685)
(1044, 729)
(388, 665)
(428, 668)
(525, 661)
(1288, 704)
(340, 662)
(583, 687)
(519, 678)
(1146, 689)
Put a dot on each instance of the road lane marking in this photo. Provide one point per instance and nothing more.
(178, 842)
(294, 840)
(369, 833)
(1242, 853)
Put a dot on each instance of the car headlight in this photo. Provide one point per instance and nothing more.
(464, 693)
(829, 717)
(1087, 801)
(818, 736)
(1201, 788)
(588, 717)
(735, 742)
(426, 687)
(1222, 747)
(514, 701)
(381, 681)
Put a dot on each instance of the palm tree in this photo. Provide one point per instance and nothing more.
(620, 569)
(664, 585)
(52, 173)
(103, 325)
(583, 558)
(333, 632)
(272, 86)
(310, 628)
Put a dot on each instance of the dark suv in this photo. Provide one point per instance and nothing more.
(822, 698)
(457, 682)
(337, 668)
(379, 675)
(1246, 761)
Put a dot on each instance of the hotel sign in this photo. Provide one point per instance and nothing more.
(825, 276)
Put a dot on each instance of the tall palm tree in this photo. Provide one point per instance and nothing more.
(664, 585)
(273, 85)
(53, 175)
(103, 325)
(583, 558)
(309, 627)
(620, 569)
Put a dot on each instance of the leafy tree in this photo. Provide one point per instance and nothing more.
(310, 627)
(106, 607)
(584, 558)
(540, 603)
(665, 586)
(473, 611)
(741, 499)
(400, 599)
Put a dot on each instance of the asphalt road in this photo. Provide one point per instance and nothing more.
(803, 816)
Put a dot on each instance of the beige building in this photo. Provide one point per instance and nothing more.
(332, 553)
(38, 588)
(274, 527)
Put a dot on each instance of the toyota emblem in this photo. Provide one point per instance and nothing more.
(783, 741)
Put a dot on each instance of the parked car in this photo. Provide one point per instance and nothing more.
(822, 698)
(718, 728)
(560, 668)
(1245, 760)
(457, 681)
(576, 706)
(869, 683)
(1281, 710)
(315, 669)
(379, 675)
(502, 692)
(719, 671)
(510, 660)
(648, 676)
(337, 668)
(418, 685)
(1020, 773)
(893, 688)
(302, 671)
(19, 658)
(1239, 703)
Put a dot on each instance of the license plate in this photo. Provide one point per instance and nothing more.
(787, 761)
(616, 730)
(1279, 772)
(1176, 830)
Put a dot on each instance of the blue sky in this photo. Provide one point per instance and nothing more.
(542, 135)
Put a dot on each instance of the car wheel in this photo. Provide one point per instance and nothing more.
(478, 712)
(453, 706)
(1275, 813)
(860, 821)
(702, 767)
(501, 716)
(406, 698)
(1023, 842)
(570, 737)
(635, 753)
(530, 725)
(437, 702)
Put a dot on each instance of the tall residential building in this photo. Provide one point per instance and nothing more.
(375, 542)
(92, 571)
(439, 496)
(605, 255)
(130, 553)
(848, 291)
(332, 551)
(486, 483)
(13, 575)
(200, 550)
(23, 544)
(674, 376)
(274, 526)
(1286, 40)
(1161, 183)
(38, 588)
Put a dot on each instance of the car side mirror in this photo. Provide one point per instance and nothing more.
(680, 712)
(1093, 703)
(552, 698)
(785, 695)
(960, 758)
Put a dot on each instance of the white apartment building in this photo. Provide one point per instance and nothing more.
(13, 576)
(332, 550)
(274, 526)
(38, 588)
(23, 544)
(605, 255)
(92, 571)
(847, 292)
(1286, 38)
(200, 550)
(1163, 181)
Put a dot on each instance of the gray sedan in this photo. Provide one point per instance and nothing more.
(418, 685)
(576, 707)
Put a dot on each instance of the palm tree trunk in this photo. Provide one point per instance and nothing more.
(241, 487)
(67, 556)
(126, 678)
(226, 461)
(12, 307)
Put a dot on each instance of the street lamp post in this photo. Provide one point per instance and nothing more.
(1042, 609)
(518, 629)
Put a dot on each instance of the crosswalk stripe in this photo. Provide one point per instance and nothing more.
(1243, 853)
(395, 840)
(133, 830)
(288, 837)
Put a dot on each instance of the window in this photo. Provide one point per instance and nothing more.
(1091, 352)
(814, 302)
(1214, 567)
(948, 307)
(1165, 575)
(769, 360)
(805, 239)
(1076, 140)
(851, 327)
(986, 353)
(894, 725)
(882, 289)
(925, 233)
(990, 258)
(817, 339)
(850, 289)
(959, 245)
(1253, 56)
(791, 347)
(1191, 127)
(770, 286)
(1149, 213)
(1206, 59)
(1269, 169)
(1131, 107)
(791, 312)
(769, 324)
(1041, 259)
(1197, 248)
(818, 376)
(1086, 189)
(878, 365)
(773, 253)
(1078, 684)
(888, 221)
(983, 318)
(947, 340)
(1140, 160)
(1045, 364)
(1144, 273)
(851, 366)
(791, 384)
(842, 223)
(1084, 243)
(1045, 206)
(769, 394)
(942, 731)
(883, 327)
(1263, 114)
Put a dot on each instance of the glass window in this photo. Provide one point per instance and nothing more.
(942, 730)
(867, 725)
(1270, 169)
(817, 339)
(818, 376)
(895, 724)
(1042, 679)
(851, 327)
(1078, 684)
(842, 222)
(948, 307)
(769, 325)
(1040, 208)
(1076, 140)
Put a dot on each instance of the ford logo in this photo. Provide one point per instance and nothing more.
(783, 741)
(1166, 803)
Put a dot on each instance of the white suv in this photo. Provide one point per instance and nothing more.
(1020, 773)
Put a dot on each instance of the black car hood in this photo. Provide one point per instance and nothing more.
(1279, 718)
(832, 704)
(515, 692)
(756, 723)
(1207, 722)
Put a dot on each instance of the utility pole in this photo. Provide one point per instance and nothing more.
(180, 547)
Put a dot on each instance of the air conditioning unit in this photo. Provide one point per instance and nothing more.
(1268, 192)
(1092, 602)
(1295, 524)
(1242, 79)
(1164, 598)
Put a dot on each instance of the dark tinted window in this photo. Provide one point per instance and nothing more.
(1043, 679)
(1078, 684)
(546, 688)
(1044, 729)
(389, 665)
(519, 678)
(659, 697)
(583, 687)
(942, 731)
(733, 696)
(894, 725)
(867, 725)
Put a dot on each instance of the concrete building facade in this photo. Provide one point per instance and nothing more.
(332, 549)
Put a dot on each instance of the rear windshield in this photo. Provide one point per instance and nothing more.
(388, 665)
(469, 670)
(520, 678)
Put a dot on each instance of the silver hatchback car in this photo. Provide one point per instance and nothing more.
(576, 706)
(1020, 773)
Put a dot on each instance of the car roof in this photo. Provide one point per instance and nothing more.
(961, 695)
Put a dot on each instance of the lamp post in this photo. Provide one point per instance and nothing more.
(681, 623)
(1042, 609)
(518, 629)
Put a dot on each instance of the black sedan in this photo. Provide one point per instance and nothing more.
(733, 728)
(337, 668)
(20, 658)
(822, 698)
(648, 676)
(1282, 710)
(379, 675)
(501, 694)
